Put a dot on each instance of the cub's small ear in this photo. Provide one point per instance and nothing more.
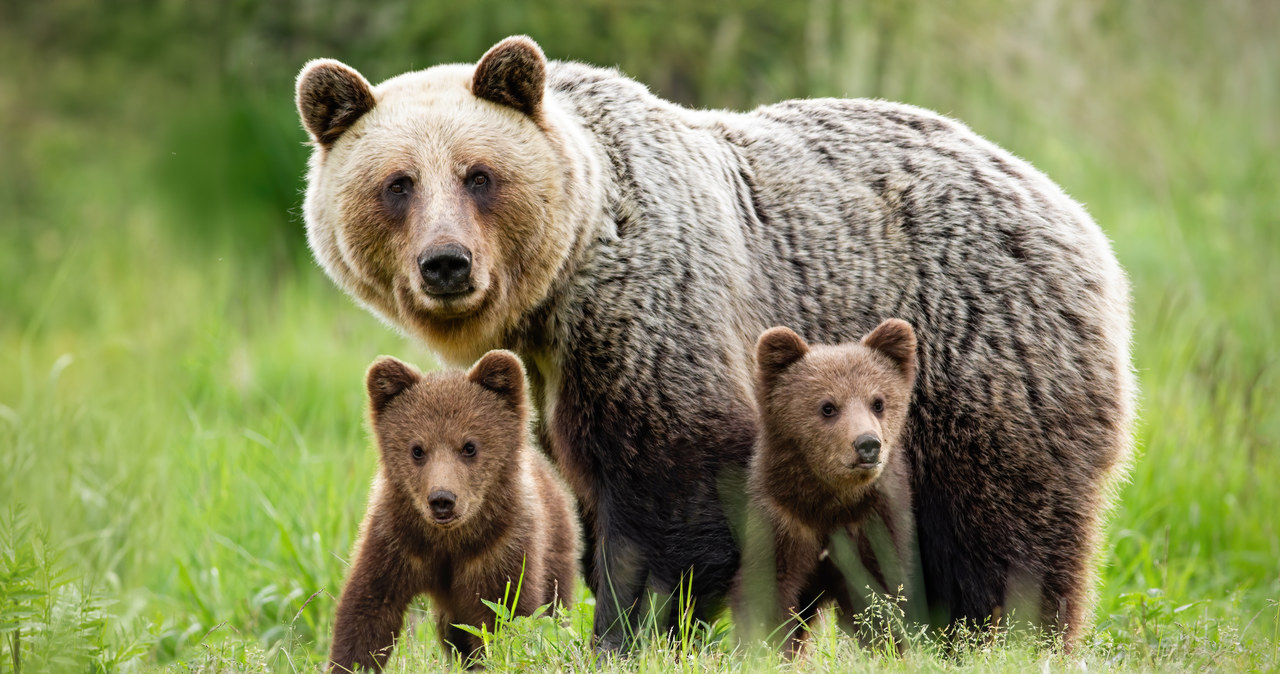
(512, 73)
(895, 339)
(777, 349)
(331, 96)
(388, 378)
(500, 372)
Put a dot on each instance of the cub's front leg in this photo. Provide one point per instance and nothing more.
(490, 577)
(457, 641)
(372, 607)
(796, 559)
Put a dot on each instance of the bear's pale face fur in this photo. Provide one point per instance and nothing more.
(419, 162)
(818, 402)
(449, 432)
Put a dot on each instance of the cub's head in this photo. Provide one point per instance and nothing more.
(442, 198)
(841, 407)
(450, 440)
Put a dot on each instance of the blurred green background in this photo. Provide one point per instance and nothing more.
(183, 456)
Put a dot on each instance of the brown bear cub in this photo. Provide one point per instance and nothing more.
(829, 459)
(461, 507)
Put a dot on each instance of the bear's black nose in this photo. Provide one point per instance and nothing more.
(446, 269)
(442, 503)
(868, 446)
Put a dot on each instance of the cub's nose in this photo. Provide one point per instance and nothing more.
(445, 269)
(442, 503)
(868, 447)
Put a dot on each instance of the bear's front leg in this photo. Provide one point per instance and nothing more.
(799, 592)
(623, 573)
(371, 609)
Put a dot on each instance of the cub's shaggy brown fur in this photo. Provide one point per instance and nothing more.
(461, 507)
(829, 459)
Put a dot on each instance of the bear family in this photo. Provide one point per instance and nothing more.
(829, 461)
(462, 510)
(631, 251)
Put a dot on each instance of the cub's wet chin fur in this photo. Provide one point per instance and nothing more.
(865, 472)
(456, 521)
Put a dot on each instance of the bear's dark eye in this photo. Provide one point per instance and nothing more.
(469, 449)
(481, 186)
(479, 177)
(417, 452)
(828, 410)
(877, 406)
(401, 185)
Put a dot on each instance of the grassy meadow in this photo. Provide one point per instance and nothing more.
(184, 457)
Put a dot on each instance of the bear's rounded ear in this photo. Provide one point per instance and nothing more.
(388, 378)
(501, 372)
(331, 97)
(512, 73)
(777, 349)
(895, 339)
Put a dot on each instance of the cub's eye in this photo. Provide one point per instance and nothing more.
(417, 452)
(828, 410)
(401, 185)
(469, 449)
(877, 406)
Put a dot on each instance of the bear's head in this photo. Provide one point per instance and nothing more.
(446, 200)
(838, 410)
(450, 440)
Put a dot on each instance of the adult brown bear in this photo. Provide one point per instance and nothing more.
(631, 250)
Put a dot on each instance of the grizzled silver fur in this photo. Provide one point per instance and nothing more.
(686, 233)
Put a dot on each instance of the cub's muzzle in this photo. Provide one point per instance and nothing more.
(442, 502)
(867, 446)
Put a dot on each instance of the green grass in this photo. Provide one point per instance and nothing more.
(183, 452)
